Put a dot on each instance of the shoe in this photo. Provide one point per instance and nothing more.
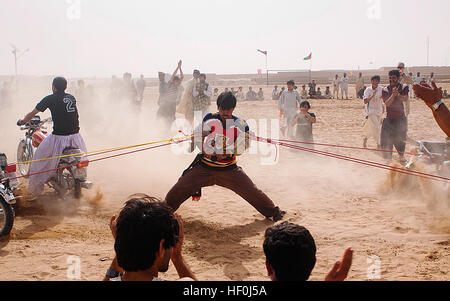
(278, 215)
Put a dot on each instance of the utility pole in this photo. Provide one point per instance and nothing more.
(16, 53)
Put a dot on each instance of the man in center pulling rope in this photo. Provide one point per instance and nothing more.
(222, 137)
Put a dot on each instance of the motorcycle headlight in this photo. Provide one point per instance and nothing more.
(3, 161)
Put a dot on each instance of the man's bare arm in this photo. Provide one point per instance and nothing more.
(28, 117)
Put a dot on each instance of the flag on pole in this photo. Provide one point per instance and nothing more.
(259, 71)
(308, 58)
(263, 52)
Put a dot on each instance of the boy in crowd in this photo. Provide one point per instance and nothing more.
(375, 110)
(304, 121)
(288, 104)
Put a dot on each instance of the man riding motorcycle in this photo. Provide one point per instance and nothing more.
(65, 134)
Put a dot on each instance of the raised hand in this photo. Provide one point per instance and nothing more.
(430, 95)
(341, 268)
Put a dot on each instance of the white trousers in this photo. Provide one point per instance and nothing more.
(52, 146)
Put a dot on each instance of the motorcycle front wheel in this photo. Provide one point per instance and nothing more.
(6, 217)
(24, 154)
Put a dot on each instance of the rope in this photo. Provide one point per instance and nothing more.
(170, 141)
(360, 161)
(341, 146)
(105, 150)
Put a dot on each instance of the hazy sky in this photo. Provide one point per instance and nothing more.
(106, 37)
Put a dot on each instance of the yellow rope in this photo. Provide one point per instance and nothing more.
(169, 141)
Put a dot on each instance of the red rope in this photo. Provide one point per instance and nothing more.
(360, 161)
(100, 159)
(342, 146)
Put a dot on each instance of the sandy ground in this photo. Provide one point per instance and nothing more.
(343, 204)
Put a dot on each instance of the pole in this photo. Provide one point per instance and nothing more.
(267, 70)
(310, 70)
(15, 63)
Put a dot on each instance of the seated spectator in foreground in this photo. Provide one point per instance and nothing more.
(328, 94)
(260, 94)
(304, 94)
(251, 95)
(291, 255)
(147, 237)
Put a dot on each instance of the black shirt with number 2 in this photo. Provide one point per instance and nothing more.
(64, 111)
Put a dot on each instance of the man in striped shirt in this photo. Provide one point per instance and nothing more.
(222, 137)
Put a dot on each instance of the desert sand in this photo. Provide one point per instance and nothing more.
(343, 204)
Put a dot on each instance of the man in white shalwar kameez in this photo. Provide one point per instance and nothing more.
(375, 109)
(288, 105)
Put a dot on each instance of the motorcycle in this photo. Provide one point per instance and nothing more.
(436, 154)
(71, 174)
(8, 186)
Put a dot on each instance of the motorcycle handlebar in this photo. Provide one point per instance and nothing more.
(28, 125)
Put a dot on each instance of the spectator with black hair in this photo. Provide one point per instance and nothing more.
(202, 96)
(290, 253)
(312, 89)
(147, 237)
(375, 110)
(251, 95)
(171, 98)
(304, 122)
(304, 94)
(275, 93)
(66, 133)
(395, 126)
(260, 94)
(287, 105)
(344, 86)
(239, 94)
(328, 93)
(221, 138)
